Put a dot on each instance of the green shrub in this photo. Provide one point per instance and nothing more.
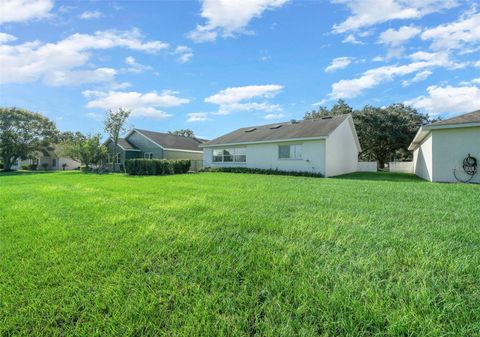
(84, 169)
(29, 167)
(156, 167)
(1, 166)
(24, 167)
(262, 171)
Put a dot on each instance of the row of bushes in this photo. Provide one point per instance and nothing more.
(156, 167)
(30, 167)
(262, 171)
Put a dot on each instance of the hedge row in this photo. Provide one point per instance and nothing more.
(156, 167)
(262, 171)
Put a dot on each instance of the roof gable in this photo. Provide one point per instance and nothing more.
(315, 128)
(168, 141)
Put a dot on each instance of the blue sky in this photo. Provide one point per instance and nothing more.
(216, 65)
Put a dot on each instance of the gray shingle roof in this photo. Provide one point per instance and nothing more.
(126, 144)
(169, 141)
(281, 131)
(471, 117)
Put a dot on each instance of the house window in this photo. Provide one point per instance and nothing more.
(54, 162)
(233, 155)
(290, 151)
(148, 155)
(117, 157)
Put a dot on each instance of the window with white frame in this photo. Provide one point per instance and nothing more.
(233, 155)
(148, 155)
(117, 158)
(293, 151)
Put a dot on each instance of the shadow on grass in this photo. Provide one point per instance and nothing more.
(382, 176)
(22, 173)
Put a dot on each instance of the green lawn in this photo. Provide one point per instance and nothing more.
(236, 254)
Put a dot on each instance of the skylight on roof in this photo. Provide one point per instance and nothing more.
(250, 130)
(276, 126)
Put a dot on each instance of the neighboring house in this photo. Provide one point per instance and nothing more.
(48, 159)
(327, 145)
(439, 149)
(155, 145)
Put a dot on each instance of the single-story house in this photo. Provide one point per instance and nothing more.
(440, 149)
(48, 159)
(155, 145)
(328, 146)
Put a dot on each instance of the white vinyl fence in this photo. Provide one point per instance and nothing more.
(367, 166)
(401, 166)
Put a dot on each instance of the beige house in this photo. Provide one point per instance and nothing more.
(446, 151)
(328, 146)
(48, 159)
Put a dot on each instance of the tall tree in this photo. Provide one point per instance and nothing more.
(339, 108)
(183, 132)
(115, 124)
(86, 149)
(385, 133)
(22, 133)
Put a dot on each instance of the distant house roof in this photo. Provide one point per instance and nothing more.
(126, 145)
(171, 142)
(466, 120)
(313, 128)
(471, 117)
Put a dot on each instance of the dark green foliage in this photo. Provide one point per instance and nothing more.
(156, 167)
(29, 167)
(261, 171)
(183, 132)
(22, 133)
(1, 166)
(84, 169)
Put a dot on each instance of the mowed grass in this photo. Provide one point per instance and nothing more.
(239, 255)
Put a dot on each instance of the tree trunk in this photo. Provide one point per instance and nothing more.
(7, 164)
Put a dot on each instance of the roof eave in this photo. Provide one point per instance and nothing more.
(264, 141)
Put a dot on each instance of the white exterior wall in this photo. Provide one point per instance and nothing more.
(401, 166)
(367, 166)
(422, 159)
(265, 156)
(450, 148)
(341, 150)
(71, 164)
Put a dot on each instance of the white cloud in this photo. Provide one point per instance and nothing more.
(184, 54)
(24, 10)
(91, 15)
(477, 64)
(61, 78)
(366, 13)
(31, 61)
(459, 34)
(147, 105)
(229, 17)
(448, 99)
(373, 77)
(351, 39)
(420, 76)
(242, 98)
(197, 117)
(4, 37)
(274, 116)
(395, 38)
(338, 63)
(135, 67)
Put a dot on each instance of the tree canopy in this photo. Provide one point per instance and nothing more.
(115, 124)
(86, 149)
(23, 132)
(183, 132)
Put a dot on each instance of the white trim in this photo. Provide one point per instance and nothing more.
(266, 141)
(425, 130)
